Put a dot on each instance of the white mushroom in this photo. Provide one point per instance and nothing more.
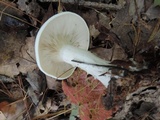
(61, 46)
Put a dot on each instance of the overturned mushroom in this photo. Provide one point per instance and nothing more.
(61, 46)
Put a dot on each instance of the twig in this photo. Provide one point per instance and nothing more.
(4, 10)
(52, 115)
(7, 92)
(137, 30)
(88, 4)
(107, 66)
(65, 72)
(20, 84)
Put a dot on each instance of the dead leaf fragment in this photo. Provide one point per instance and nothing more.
(20, 64)
(86, 92)
(153, 12)
(52, 83)
(136, 8)
(30, 7)
(2, 116)
(27, 56)
(13, 111)
(93, 31)
(9, 52)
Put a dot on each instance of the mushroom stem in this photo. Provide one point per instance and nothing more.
(71, 54)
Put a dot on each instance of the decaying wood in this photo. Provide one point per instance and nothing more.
(88, 4)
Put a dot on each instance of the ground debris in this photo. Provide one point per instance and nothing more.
(143, 103)
(90, 4)
(126, 32)
(4, 78)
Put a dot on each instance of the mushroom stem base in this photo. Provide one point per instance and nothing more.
(70, 54)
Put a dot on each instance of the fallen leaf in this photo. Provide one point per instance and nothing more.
(34, 80)
(27, 56)
(37, 85)
(30, 7)
(115, 53)
(2, 116)
(13, 111)
(153, 12)
(94, 111)
(20, 62)
(9, 52)
(93, 31)
(136, 8)
(33, 95)
(86, 92)
(48, 14)
(52, 83)
(142, 102)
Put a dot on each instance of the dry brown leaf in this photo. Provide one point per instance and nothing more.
(9, 70)
(9, 52)
(116, 53)
(93, 31)
(132, 32)
(27, 61)
(142, 102)
(86, 92)
(30, 7)
(48, 14)
(52, 83)
(136, 8)
(20, 61)
(2, 116)
(153, 12)
(90, 17)
(36, 82)
(13, 111)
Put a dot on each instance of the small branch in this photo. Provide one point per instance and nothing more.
(88, 4)
(107, 66)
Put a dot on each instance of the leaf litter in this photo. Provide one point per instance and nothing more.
(127, 36)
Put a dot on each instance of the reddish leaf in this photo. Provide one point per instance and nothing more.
(86, 92)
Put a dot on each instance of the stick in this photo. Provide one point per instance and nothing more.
(89, 4)
(107, 66)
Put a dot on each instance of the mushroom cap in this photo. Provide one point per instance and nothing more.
(62, 29)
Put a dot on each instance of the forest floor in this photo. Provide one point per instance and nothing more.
(125, 32)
